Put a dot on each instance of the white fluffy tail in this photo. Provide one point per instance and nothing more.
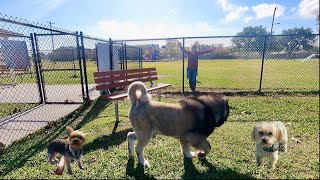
(134, 97)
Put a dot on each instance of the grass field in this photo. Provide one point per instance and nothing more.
(232, 154)
(245, 74)
(216, 74)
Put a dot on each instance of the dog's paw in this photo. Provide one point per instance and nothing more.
(145, 163)
(201, 154)
(190, 155)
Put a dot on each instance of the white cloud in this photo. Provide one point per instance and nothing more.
(132, 30)
(266, 10)
(308, 8)
(226, 6)
(247, 19)
(234, 12)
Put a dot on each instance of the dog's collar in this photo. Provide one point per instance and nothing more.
(275, 147)
(75, 153)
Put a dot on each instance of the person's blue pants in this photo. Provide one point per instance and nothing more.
(192, 76)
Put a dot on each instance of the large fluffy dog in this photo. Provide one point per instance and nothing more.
(191, 120)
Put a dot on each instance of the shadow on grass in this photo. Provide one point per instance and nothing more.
(18, 153)
(240, 92)
(104, 142)
(191, 172)
(138, 172)
(96, 109)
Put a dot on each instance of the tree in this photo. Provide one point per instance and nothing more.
(171, 50)
(254, 43)
(297, 39)
(63, 53)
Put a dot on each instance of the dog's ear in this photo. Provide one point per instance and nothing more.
(253, 135)
(69, 130)
(279, 135)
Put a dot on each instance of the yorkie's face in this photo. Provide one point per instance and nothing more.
(265, 134)
(76, 138)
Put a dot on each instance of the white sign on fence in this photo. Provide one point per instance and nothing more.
(103, 57)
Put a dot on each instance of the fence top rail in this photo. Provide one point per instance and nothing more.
(17, 21)
(13, 35)
(199, 37)
(56, 34)
(95, 38)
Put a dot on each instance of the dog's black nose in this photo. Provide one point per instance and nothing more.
(264, 140)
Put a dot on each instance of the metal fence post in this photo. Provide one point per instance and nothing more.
(122, 56)
(34, 55)
(80, 65)
(44, 97)
(84, 65)
(125, 55)
(140, 60)
(183, 67)
(110, 54)
(262, 63)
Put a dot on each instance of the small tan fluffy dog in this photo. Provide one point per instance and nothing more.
(270, 137)
(191, 120)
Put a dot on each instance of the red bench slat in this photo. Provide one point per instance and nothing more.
(123, 83)
(121, 72)
(123, 77)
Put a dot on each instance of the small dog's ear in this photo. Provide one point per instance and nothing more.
(69, 130)
(253, 135)
(279, 135)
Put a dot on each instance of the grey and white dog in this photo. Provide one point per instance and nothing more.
(191, 120)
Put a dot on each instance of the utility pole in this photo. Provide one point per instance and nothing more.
(274, 12)
(50, 23)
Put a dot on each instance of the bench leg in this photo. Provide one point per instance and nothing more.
(117, 116)
(159, 95)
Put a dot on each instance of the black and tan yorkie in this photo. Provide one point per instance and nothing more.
(69, 147)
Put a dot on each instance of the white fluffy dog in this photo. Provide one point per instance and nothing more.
(270, 137)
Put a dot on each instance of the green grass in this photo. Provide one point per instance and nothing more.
(244, 74)
(232, 154)
(11, 108)
(216, 74)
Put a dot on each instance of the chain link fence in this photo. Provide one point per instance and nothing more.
(42, 68)
(236, 63)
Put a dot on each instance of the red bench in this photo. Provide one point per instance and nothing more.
(114, 84)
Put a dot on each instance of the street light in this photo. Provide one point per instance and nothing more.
(274, 12)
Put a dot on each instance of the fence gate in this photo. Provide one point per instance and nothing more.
(60, 67)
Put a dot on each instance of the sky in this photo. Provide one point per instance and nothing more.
(140, 19)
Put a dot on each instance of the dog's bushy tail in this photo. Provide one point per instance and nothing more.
(134, 96)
